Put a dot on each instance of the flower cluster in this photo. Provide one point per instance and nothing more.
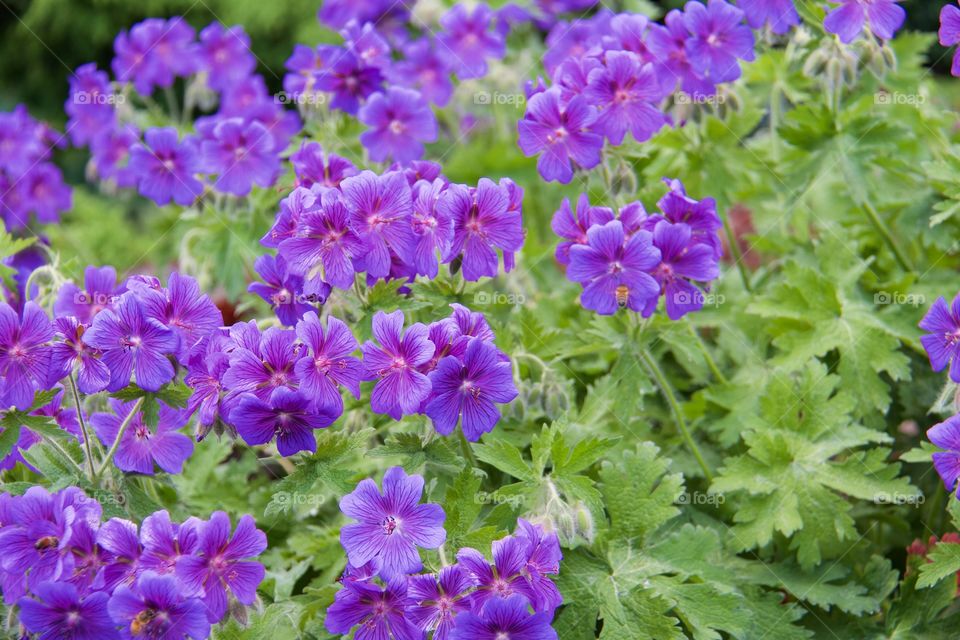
(237, 147)
(942, 344)
(72, 575)
(29, 182)
(472, 599)
(400, 224)
(950, 33)
(284, 383)
(611, 72)
(386, 77)
(630, 259)
(108, 334)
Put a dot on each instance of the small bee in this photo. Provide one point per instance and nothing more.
(143, 619)
(46, 542)
(623, 292)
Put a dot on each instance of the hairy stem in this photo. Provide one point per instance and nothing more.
(78, 405)
(671, 399)
(123, 428)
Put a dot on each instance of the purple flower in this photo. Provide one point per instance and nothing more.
(779, 14)
(942, 341)
(313, 166)
(165, 168)
(701, 216)
(329, 363)
(439, 599)
(399, 121)
(574, 227)
(483, 222)
(668, 48)
(682, 259)
(207, 364)
(470, 389)
(242, 154)
(41, 190)
(184, 309)
(220, 564)
(718, 39)
(267, 365)
(60, 612)
(282, 290)
(612, 269)
(946, 435)
(559, 133)
(950, 33)
(226, 55)
(289, 416)
(468, 40)
(884, 18)
(165, 542)
(324, 243)
(366, 43)
(380, 612)
(425, 69)
(155, 607)
(507, 618)
(90, 105)
(110, 154)
(92, 374)
(122, 549)
(131, 342)
(400, 387)
(501, 580)
(350, 81)
(142, 445)
(543, 558)
(36, 536)
(380, 209)
(432, 226)
(154, 52)
(624, 91)
(24, 354)
(390, 526)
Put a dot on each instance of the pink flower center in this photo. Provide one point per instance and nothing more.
(389, 525)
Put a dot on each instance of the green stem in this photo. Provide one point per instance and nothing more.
(467, 451)
(83, 427)
(711, 363)
(671, 399)
(737, 255)
(123, 428)
(887, 236)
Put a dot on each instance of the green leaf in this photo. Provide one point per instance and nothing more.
(944, 563)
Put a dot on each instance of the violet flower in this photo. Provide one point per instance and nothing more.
(393, 363)
(142, 445)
